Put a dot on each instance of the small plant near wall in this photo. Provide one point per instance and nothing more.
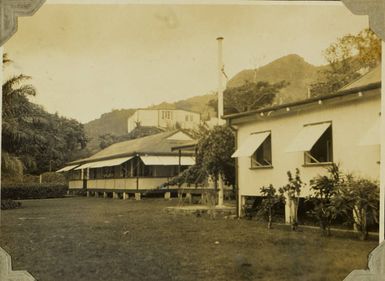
(360, 200)
(325, 197)
(291, 193)
(270, 199)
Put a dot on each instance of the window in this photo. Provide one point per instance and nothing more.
(262, 156)
(315, 141)
(166, 114)
(322, 150)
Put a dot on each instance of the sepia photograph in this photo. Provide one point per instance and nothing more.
(192, 141)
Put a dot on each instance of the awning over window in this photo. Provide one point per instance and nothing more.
(250, 145)
(105, 163)
(67, 168)
(167, 160)
(372, 136)
(307, 137)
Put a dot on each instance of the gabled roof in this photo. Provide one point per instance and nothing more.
(158, 144)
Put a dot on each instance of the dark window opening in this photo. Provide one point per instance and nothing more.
(322, 151)
(262, 156)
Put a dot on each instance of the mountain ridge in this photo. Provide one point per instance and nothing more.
(291, 68)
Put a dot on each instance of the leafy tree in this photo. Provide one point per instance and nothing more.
(325, 189)
(291, 193)
(347, 57)
(251, 96)
(214, 151)
(270, 199)
(106, 140)
(11, 166)
(213, 158)
(39, 140)
(360, 199)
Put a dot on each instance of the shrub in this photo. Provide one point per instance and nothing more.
(360, 199)
(325, 191)
(9, 204)
(27, 179)
(32, 191)
(270, 199)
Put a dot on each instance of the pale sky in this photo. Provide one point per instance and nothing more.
(88, 59)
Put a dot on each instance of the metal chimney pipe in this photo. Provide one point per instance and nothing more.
(220, 79)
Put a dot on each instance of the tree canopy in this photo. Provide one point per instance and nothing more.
(32, 138)
(213, 157)
(251, 96)
(349, 57)
(214, 150)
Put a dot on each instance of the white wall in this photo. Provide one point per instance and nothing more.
(154, 118)
(145, 117)
(187, 120)
(350, 120)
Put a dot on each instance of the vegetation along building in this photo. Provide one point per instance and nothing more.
(136, 165)
(343, 127)
(164, 118)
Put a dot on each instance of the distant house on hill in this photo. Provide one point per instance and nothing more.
(343, 127)
(164, 118)
(132, 166)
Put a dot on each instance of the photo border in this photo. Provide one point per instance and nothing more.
(10, 10)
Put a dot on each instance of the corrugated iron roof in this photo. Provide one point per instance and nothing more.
(157, 144)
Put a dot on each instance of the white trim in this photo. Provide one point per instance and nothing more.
(167, 160)
(66, 168)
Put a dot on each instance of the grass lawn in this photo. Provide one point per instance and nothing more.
(104, 239)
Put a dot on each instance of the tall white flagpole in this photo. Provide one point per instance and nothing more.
(220, 80)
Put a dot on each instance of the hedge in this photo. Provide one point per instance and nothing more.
(9, 204)
(33, 191)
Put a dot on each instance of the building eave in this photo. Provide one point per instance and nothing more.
(143, 153)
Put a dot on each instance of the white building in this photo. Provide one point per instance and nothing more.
(343, 128)
(164, 118)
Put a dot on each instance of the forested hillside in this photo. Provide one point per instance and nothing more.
(33, 140)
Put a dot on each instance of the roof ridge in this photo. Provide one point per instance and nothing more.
(361, 77)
